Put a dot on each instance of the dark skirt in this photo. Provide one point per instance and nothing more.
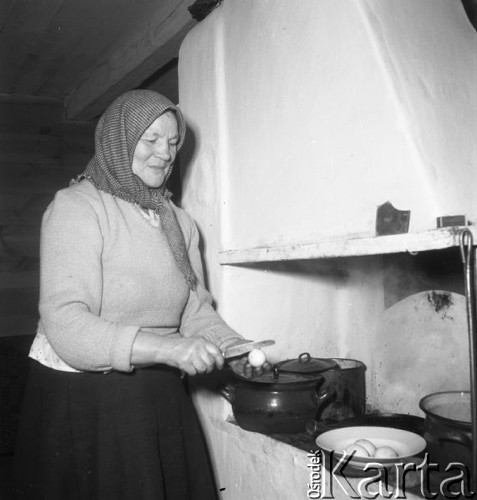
(118, 436)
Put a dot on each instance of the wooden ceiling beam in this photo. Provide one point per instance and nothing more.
(135, 60)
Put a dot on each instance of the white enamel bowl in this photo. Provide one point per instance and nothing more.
(407, 444)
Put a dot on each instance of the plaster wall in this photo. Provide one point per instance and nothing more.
(352, 104)
(304, 116)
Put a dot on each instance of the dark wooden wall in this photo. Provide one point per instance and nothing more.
(39, 154)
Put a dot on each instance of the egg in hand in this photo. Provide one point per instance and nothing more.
(256, 357)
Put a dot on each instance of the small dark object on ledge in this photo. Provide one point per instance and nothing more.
(389, 220)
(200, 9)
(451, 220)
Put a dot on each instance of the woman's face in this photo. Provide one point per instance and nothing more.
(156, 150)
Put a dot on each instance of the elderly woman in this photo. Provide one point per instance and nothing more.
(123, 315)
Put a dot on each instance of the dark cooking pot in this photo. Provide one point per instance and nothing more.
(297, 390)
(276, 402)
(447, 428)
(345, 377)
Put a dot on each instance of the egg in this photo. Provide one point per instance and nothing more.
(358, 450)
(367, 445)
(256, 357)
(386, 452)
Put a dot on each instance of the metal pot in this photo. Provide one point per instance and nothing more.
(299, 390)
(345, 377)
(276, 402)
(447, 428)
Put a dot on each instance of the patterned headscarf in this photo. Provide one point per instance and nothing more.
(117, 134)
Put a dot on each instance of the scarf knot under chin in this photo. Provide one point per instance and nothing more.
(110, 170)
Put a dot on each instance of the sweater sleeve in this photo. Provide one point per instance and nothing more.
(199, 317)
(71, 288)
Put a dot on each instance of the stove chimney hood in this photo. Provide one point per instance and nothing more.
(308, 115)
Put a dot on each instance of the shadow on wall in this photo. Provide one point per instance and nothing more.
(406, 274)
(185, 157)
(179, 177)
(470, 7)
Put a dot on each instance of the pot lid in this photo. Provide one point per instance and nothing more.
(278, 376)
(305, 364)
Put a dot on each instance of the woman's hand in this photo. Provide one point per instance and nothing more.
(192, 355)
(242, 367)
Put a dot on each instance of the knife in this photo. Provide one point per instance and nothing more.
(239, 350)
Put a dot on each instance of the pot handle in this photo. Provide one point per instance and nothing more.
(228, 392)
(323, 396)
(304, 357)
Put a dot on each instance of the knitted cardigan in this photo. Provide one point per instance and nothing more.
(106, 272)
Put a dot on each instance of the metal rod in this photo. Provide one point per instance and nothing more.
(467, 254)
